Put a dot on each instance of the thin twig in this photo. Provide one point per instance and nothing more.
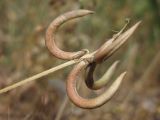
(62, 108)
(35, 77)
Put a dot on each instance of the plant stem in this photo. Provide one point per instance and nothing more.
(62, 108)
(35, 77)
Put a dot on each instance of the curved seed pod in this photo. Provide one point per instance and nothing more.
(92, 102)
(95, 85)
(122, 39)
(106, 51)
(51, 31)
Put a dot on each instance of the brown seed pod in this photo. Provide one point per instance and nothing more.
(51, 32)
(105, 51)
(89, 103)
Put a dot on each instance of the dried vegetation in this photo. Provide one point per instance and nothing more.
(23, 53)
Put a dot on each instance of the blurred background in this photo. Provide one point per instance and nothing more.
(23, 53)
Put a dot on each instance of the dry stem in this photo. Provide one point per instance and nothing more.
(35, 77)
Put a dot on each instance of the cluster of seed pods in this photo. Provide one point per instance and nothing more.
(89, 60)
